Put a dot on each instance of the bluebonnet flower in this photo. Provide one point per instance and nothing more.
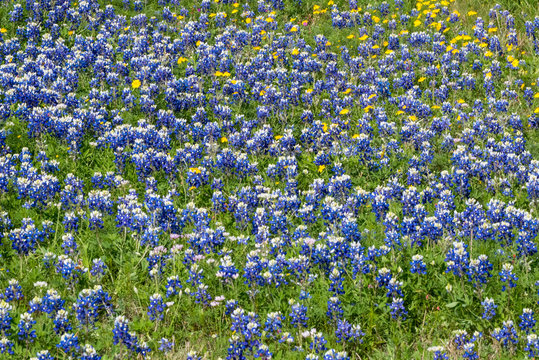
(507, 335)
(273, 324)
(318, 342)
(193, 355)
(71, 222)
(532, 346)
(336, 279)
(304, 295)
(69, 270)
(5, 318)
(263, 352)
(335, 310)
(202, 296)
(397, 309)
(247, 328)
(457, 258)
(88, 353)
(506, 275)
(383, 277)
(68, 244)
(489, 308)
(24, 240)
(62, 324)
(527, 322)
(122, 335)
(173, 286)
(230, 306)
(298, 315)
(26, 332)
(417, 73)
(346, 332)
(165, 345)
(469, 351)
(236, 348)
(16, 14)
(157, 260)
(13, 291)
(479, 270)
(44, 355)
(394, 288)
(156, 307)
(52, 303)
(334, 355)
(69, 344)
(98, 268)
(48, 259)
(417, 265)
(87, 306)
(95, 220)
(379, 205)
(227, 271)
(438, 353)
(6, 346)
(197, 177)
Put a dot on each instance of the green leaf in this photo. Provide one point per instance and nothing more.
(452, 305)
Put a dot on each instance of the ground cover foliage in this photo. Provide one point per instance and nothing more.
(277, 179)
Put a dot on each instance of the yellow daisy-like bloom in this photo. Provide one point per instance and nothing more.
(136, 84)
(3, 30)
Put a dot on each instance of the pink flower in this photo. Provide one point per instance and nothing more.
(176, 249)
(199, 257)
(310, 242)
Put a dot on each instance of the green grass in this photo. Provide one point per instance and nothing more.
(433, 312)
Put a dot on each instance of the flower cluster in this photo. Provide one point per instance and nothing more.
(192, 165)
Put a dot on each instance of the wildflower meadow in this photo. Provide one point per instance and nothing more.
(271, 179)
